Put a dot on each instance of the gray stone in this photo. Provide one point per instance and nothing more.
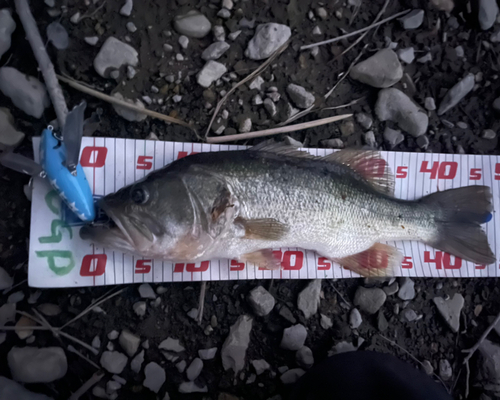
(294, 337)
(215, 51)
(322, 13)
(7, 26)
(113, 361)
(50, 310)
(462, 125)
(429, 104)
(171, 344)
(489, 134)
(207, 354)
(261, 301)
(392, 288)
(113, 335)
(131, 27)
(406, 289)
(91, 40)
(154, 377)
(382, 323)
(256, 83)
(459, 50)
(425, 59)
(129, 342)
(427, 367)
(369, 300)
(194, 369)
(393, 137)
(300, 96)
(192, 24)
(233, 35)
(219, 33)
(287, 314)
(333, 143)
(224, 13)
(355, 319)
(369, 139)
(260, 366)
(126, 113)
(381, 70)
(136, 363)
(406, 55)
(6, 281)
(257, 100)
(235, 346)
(413, 19)
(364, 120)
(408, 315)
(57, 34)
(394, 105)
(325, 322)
(496, 104)
(245, 125)
(183, 41)
(450, 310)
(304, 357)
(37, 365)
(26, 92)
(495, 37)
(10, 390)
(423, 142)
(113, 55)
(456, 94)
(487, 13)
(270, 107)
(445, 371)
(212, 71)
(309, 298)
(181, 366)
(140, 308)
(342, 347)
(126, 9)
(192, 387)
(267, 39)
(292, 375)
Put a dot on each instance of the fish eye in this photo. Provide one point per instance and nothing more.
(139, 195)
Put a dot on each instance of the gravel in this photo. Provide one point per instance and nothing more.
(194, 369)
(154, 377)
(193, 24)
(207, 354)
(304, 357)
(235, 346)
(325, 322)
(450, 310)
(430, 103)
(171, 344)
(57, 35)
(129, 342)
(267, 39)
(369, 300)
(445, 370)
(294, 337)
(126, 113)
(355, 319)
(406, 289)
(407, 55)
(456, 94)
(413, 19)
(300, 96)
(260, 366)
(7, 26)
(126, 9)
(192, 387)
(261, 301)
(113, 55)
(37, 365)
(309, 298)
(215, 51)
(136, 363)
(212, 71)
(487, 13)
(381, 70)
(393, 137)
(140, 308)
(113, 361)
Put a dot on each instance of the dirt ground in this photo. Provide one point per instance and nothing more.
(426, 339)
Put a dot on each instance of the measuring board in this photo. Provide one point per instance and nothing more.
(59, 258)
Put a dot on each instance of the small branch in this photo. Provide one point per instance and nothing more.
(201, 302)
(470, 352)
(13, 287)
(44, 63)
(243, 81)
(338, 293)
(276, 131)
(83, 344)
(351, 103)
(467, 377)
(94, 379)
(92, 13)
(113, 100)
(338, 38)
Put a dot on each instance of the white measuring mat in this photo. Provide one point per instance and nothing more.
(59, 258)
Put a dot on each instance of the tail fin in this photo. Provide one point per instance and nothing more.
(461, 211)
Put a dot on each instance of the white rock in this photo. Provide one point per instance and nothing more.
(177, 98)
(7, 26)
(304, 357)
(393, 137)
(445, 370)
(309, 298)
(131, 27)
(413, 19)
(355, 319)
(136, 363)
(194, 369)
(292, 376)
(430, 104)
(207, 354)
(300, 96)
(92, 40)
(113, 55)
(257, 100)
(57, 34)
(245, 125)
(140, 308)
(456, 94)
(487, 13)
(179, 57)
(155, 377)
(146, 291)
(406, 55)
(33, 365)
(6, 281)
(326, 322)
(450, 310)
(267, 39)
(192, 24)
(406, 289)
(394, 105)
(215, 51)
(129, 342)
(224, 13)
(10, 390)
(126, 9)
(127, 114)
(381, 70)
(171, 344)
(7, 313)
(192, 387)
(321, 13)
(75, 18)
(212, 71)
(260, 366)
(364, 120)
(261, 301)
(235, 346)
(27, 93)
(294, 337)
(183, 41)
(113, 361)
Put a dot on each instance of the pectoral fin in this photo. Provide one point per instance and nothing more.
(263, 259)
(262, 229)
(379, 260)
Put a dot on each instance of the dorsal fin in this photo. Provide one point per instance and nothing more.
(270, 146)
(369, 164)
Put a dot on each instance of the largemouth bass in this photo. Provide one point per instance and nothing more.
(242, 204)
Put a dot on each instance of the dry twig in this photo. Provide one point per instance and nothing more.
(470, 352)
(201, 302)
(339, 294)
(94, 379)
(351, 103)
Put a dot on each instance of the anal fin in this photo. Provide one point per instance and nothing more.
(264, 258)
(379, 260)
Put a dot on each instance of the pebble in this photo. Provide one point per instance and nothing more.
(260, 366)
(382, 323)
(450, 310)
(136, 363)
(126, 9)
(364, 120)
(235, 346)
(24, 333)
(257, 100)
(126, 113)
(290, 141)
(181, 366)
(445, 371)
(26, 92)
(321, 13)
(369, 139)
(270, 107)
(333, 143)
(355, 319)
(309, 298)
(406, 55)
(429, 104)
(219, 33)
(207, 354)
(212, 71)
(392, 288)
(140, 308)
(183, 41)
(425, 59)
(292, 375)
(325, 322)
(75, 18)
(224, 13)
(7, 26)
(300, 96)
(393, 137)
(10, 390)
(487, 13)
(317, 30)
(191, 387)
(369, 300)
(227, 4)
(193, 313)
(412, 20)
(427, 367)
(215, 51)
(129, 342)
(57, 34)
(257, 83)
(409, 315)
(37, 365)
(304, 357)
(287, 314)
(462, 125)
(234, 35)
(91, 40)
(381, 70)
(407, 289)
(456, 94)
(154, 377)
(342, 347)
(443, 5)
(394, 105)
(113, 55)
(171, 344)
(194, 369)
(192, 24)
(459, 51)
(347, 128)
(261, 301)
(131, 27)
(50, 310)
(267, 39)
(489, 134)
(294, 337)
(245, 125)
(113, 361)
(131, 72)
(168, 48)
